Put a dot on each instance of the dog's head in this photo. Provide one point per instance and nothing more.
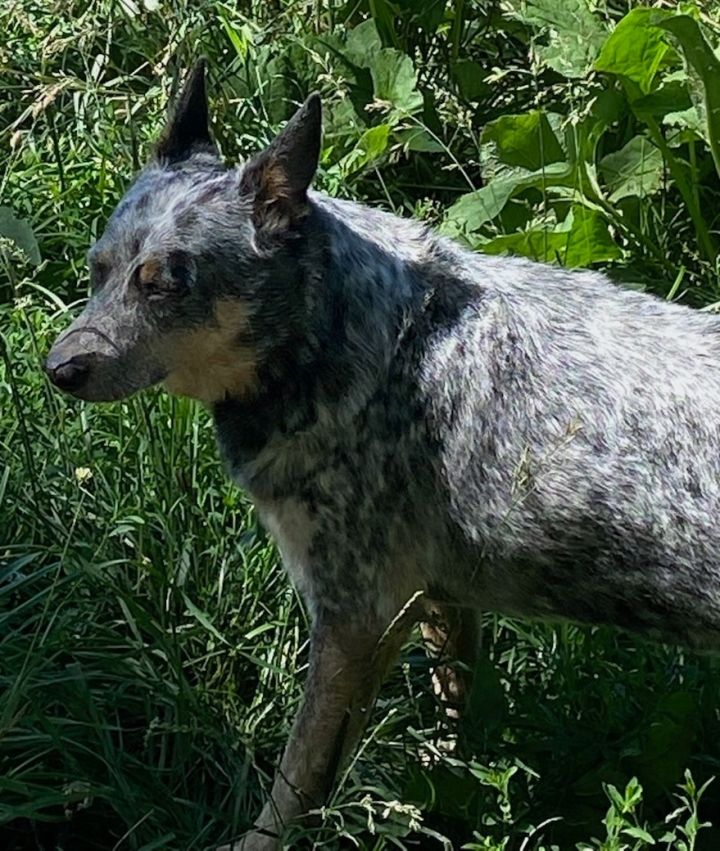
(195, 270)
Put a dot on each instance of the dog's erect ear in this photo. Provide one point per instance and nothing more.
(279, 177)
(188, 129)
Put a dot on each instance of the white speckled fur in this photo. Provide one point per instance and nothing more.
(485, 432)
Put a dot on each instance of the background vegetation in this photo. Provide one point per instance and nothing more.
(151, 651)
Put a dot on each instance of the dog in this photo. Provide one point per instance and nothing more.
(426, 432)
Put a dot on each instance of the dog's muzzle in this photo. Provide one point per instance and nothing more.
(70, 374)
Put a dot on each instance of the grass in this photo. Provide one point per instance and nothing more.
(151, 651)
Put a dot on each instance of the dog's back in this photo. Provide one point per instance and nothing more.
(579, 426)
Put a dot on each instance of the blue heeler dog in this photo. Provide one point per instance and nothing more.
(422, 429)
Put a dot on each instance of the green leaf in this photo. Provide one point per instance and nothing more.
(616, 799)
(363, 44)
(240, 35)
(689, 120)
(470, 79)
(525, 140)
(574, 34)
(669, 98)
(395, 80)
(639, 833)
(635, 170)
(19, 232)
(383, 15)
(419, 139)
(636, 49)
(583, 239)
(471, 211)
(706, 65)
(204, 619)
(475, 209)
(370, 147)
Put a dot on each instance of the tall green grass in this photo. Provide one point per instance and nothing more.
(151, 651)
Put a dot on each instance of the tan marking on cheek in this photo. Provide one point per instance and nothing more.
(207, 363)
(149, 272)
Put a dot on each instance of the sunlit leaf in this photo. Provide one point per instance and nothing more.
(370, 147)
(574, 34)
(706, 65)
(582, 241)
(363, 44)
(636, 49)
(395, 80)
(635, 170)
(471, 211)
(525, 140)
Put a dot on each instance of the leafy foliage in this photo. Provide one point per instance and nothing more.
(151, 652)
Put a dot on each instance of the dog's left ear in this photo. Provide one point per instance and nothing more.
(188, 129)
(277, 180)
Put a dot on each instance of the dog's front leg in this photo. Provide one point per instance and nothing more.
(347, 665)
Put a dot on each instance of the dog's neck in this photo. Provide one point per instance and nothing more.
(357, 300)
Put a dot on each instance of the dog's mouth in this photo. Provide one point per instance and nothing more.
(112, 389)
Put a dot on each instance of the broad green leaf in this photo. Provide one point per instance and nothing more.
(574, 34)
(395, 80)
(563, 179)
(583, 239)
(363, 44)
(470, 212)
(370, 147)
(706, 65)
(525, 140)
(19, 232)
(636, 49)
(606, 109)
(690, 120)
(671, 97)
(635, 170)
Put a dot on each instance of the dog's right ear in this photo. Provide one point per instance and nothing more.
(277, 180)
(188, 129)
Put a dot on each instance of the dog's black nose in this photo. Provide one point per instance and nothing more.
(69, 375)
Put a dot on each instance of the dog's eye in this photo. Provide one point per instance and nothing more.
(179, 264)
(152, 281)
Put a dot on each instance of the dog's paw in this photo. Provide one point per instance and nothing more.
(255, 841)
